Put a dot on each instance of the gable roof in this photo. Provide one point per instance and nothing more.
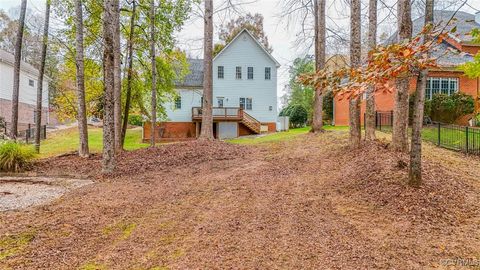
(277, 64)
(465, 22)
(194, 79)
(9, 59)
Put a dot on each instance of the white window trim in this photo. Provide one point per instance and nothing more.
(429, 89)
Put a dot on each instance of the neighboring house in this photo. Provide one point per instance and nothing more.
(453, 51)
(27, 92)
(244, 94)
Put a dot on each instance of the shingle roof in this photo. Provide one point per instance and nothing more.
(448, 56)
(195, 78)
(465, 23)
(9, 58)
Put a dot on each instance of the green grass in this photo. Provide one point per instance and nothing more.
(280, 136)
(67, 141)
(452, 138)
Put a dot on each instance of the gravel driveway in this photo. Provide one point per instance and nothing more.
(22, 192)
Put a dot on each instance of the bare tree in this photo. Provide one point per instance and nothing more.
(41, 72)
(16, 70)
(355, 61)
(111, 10)
(400, 110)
(154, 73)
(117, 82)
(128, 94)
(207, 118)
(83, 150)
(372, 43)
(320, 41)
(415, 173)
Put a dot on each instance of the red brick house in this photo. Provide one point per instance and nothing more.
(447, 79)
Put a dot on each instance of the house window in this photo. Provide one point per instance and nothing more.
(246, 103)
(238, 73)
(446, 86)
(31, 83)
(220, 102)
(250, 73)
(178, 102)
(268, 73)
(220, 72)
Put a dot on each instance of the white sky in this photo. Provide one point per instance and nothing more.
(282, 37)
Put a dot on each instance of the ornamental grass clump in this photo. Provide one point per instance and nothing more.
(15, 157)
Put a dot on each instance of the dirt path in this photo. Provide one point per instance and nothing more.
(304, 203)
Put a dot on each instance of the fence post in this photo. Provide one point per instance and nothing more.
(439, 129)
(466, 135)
(27, 134)
(45, 132)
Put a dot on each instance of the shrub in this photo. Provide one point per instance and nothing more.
(447, 109)
(297, 113)
(15, 157)
(135, 120)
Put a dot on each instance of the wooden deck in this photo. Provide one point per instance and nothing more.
(234, 114)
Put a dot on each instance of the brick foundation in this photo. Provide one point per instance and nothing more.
(25, 112)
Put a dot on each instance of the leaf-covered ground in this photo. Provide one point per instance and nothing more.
(306, 202)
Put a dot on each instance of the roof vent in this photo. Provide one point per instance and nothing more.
(477, 17)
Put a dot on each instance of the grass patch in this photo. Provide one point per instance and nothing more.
(67, 141)
(280, 136)
(125, 229)
(11, 245)
(93, 266)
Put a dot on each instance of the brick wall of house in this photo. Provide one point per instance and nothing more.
(171, 131)
(25, 112)
(384, 98)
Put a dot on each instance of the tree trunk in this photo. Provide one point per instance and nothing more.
(154, 73)
(415, 173)
(317, 121)
(83, 150)
(109, 76)
(355, 58)
(41, 72)
(400, 111)
(117, 80)
(16, 71)
(206, 132)
(372, 43)
(128, 94)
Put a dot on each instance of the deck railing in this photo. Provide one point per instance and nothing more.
(232, 113)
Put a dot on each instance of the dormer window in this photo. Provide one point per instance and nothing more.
(220, 72)
(238, 73)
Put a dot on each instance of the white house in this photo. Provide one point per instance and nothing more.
(27, 91)
(244, 93)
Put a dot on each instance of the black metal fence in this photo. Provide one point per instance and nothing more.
(26, 132)
(460, 138)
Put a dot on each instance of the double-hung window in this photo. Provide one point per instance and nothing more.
(238, 73)
(436, 85)
(268, 73)
(178, 102)
(220, 72)
(246, 103)
(31, 83)
(250, 73)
